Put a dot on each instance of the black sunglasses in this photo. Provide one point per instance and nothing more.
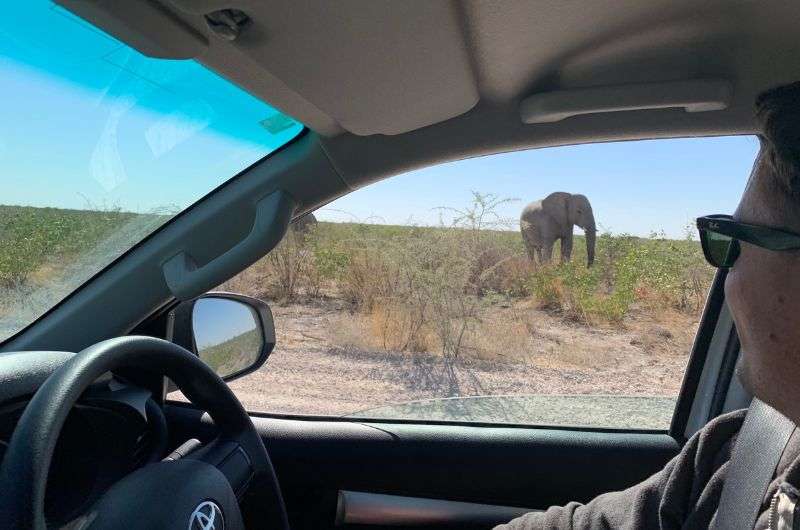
(720, 236)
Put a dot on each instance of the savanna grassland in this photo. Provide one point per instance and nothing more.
(368, 315)
(374, 314)
(45, 253)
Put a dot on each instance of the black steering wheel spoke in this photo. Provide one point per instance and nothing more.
(231, 459)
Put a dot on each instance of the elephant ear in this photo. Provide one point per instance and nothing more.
(565, 200)
(558, 206)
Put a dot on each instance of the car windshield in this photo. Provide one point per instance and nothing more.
(100, 146)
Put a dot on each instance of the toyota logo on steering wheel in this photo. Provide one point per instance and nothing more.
(207, 516)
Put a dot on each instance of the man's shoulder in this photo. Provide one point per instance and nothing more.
(727, 420)
(721, 431)
(711, 447)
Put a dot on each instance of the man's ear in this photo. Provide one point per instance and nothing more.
(754, 172)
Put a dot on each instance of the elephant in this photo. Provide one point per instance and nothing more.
(543, 222)
(303, 225)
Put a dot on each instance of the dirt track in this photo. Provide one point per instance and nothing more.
(309, 374)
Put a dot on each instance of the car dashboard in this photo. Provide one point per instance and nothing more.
(115, 428)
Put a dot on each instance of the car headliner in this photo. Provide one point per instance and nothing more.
(387, 86)
(406, 84)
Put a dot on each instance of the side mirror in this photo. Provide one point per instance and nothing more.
(234, 334)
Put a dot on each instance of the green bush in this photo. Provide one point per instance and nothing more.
(31, 238)
(434, 275)
(482, 257)
(576, 291)
(545, 284)
(627, 270)
(330, 262)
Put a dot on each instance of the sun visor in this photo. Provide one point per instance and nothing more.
(145, 26)
(693, 96)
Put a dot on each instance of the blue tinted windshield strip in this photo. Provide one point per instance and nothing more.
(100, 146)
(112, 117)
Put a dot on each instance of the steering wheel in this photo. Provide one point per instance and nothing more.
(198, 491)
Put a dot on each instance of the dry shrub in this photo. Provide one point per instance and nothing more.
(686, 294)
(420, 289)
(387, 328)
(401, 328)
(350, 331)
(288, 271)
(368, 278)
(496, 270)
(287, 263)
(415, 291)
(502, 337)
(252, 281)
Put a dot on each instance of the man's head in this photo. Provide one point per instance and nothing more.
(763, 286)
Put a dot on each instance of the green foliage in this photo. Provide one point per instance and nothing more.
(376, 262)
(656, 271)
(31, 238)
(434, 276)
(545, 285)
(330, 262)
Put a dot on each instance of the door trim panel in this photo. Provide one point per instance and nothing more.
(508, 466)
(362, 508)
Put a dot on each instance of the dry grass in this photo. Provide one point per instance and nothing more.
(383, 328)
(519, 332)
(413, 312)
(468, 291)
(392, 314)
(311, 372)
(503, 333)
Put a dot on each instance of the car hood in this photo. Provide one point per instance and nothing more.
(603, 411)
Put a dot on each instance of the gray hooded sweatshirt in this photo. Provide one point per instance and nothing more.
(683, 495)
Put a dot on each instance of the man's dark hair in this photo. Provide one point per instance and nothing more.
(778, 113)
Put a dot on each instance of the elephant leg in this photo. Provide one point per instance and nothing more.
(546, 251)
(531, 250)
(530, 239)
(566, 247)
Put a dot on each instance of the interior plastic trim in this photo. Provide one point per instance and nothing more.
(146, 26)
(702, 371)
(186, 280)
(693, 96)
(360, 508)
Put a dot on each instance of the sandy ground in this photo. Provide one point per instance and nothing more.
(309, 373)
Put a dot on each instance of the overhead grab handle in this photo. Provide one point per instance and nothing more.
(186, 280)
(700, 95)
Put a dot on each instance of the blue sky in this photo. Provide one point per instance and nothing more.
(86, 122)
(218, 320)
(634, 187)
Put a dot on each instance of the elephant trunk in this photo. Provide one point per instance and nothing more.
(590, 243)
